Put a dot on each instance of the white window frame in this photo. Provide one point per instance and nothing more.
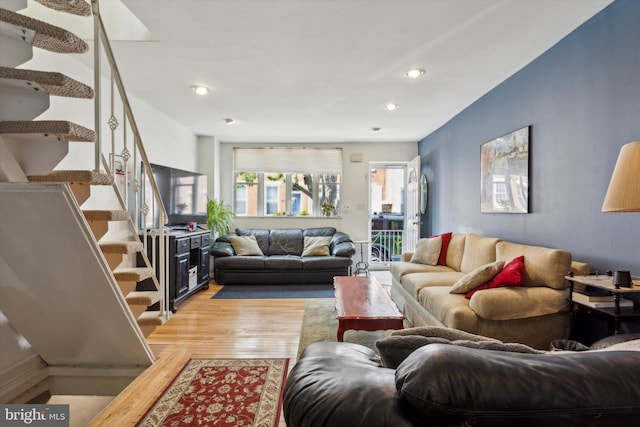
(289, 161)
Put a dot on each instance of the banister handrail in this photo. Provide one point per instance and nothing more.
(127, 107)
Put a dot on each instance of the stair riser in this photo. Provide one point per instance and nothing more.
(82, 192)
(114, 260)
(99, 228)
(127, 287)
(21, 102)
(137, 310)
(147, 330)
(37, 154)
(15, 51)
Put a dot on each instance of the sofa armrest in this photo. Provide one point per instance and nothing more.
(338, 384)
(342, 245)
(518, 303)
(222, 248)
(406, 256)
(580, 268)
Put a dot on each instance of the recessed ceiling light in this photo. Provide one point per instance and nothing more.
(229, 121)
(200, 90)
(414, 73)
(391, 106)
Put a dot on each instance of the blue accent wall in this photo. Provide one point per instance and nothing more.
(582, 101)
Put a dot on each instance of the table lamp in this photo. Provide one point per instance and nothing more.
(623, 194)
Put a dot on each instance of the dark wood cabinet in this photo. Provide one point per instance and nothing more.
(188, 264)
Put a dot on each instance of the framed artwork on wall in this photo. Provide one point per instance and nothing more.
(504, 169)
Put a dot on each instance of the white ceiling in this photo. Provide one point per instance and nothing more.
(322, 70)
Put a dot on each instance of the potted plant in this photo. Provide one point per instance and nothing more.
(219, 218)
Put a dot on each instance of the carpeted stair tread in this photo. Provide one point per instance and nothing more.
(51, 82)
(106, 215)
(75, 7)
(124, 247)
(45, 36)
(74, 177)
(151, 318)
(145, 298)
(132, 274)
(60, 128)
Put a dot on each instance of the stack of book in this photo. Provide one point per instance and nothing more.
(598, 299)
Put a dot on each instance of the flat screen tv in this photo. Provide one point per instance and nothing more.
(183, 193)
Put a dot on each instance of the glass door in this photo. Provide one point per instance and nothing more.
(387, 213)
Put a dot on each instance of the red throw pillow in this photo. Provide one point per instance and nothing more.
(446, 238)
(513, 274)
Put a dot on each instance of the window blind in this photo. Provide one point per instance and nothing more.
(288, 160)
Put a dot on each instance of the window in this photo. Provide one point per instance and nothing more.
(241, 200)
(306, 182)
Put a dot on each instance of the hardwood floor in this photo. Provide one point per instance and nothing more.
(209, 328)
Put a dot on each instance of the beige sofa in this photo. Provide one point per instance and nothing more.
(534, 314)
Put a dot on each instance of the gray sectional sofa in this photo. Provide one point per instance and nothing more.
(282, 256)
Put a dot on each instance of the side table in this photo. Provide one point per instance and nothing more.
(616, 312)
(362, 266)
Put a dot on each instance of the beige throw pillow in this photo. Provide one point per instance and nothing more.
(316, 246)
(245, 245)
(477, 277)
(427, 251)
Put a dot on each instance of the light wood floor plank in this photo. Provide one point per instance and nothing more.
(209, 328)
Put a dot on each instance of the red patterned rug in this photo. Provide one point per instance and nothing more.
(222, 392)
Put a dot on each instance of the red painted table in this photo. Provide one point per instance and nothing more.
(363, 304)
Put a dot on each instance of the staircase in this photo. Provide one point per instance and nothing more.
(70, 252)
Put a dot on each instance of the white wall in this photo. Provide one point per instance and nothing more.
(166, 141)
(355, 193)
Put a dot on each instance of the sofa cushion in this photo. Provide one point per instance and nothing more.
(285, 242)
(512, 275)
(518, 303)
(451, 310)
(427, 251)
(316, 246)
(399, 269)
(325, 262)
(545, 266)
(477, 277)
(414, 282)
(239, 262)
(283, 262)
(478, 251)
(319, 231)
(245, 245)
(261, 235)
(455, 250)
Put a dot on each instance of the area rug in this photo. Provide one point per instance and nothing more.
(319, 323)
(222, 392)
(274, 291)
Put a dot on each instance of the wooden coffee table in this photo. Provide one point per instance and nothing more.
(363, 304)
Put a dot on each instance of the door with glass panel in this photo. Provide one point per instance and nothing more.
(387, 212)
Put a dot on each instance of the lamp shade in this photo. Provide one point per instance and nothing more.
(623, 194)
